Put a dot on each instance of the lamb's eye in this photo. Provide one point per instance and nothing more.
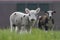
(52, 13)
(29, 14)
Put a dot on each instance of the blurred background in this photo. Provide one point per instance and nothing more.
(7, 7)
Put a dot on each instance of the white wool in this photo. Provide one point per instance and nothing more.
(50, 13)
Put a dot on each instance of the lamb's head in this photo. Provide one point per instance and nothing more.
(50, 13)
(32, 14)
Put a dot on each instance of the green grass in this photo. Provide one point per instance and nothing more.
(35, 35)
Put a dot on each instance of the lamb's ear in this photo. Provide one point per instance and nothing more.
(38, 10)
(45, 12)
(27, 10)
(15, 14)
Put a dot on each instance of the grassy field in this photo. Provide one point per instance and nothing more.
(35, 35)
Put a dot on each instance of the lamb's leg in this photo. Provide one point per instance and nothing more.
(52, 27)
(16, 29)
(11, 25)
(23, 30)
(52, 24)
(30, 30)
(43, 27)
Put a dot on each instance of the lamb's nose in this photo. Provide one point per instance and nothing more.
(50, 17)
(32, 19)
